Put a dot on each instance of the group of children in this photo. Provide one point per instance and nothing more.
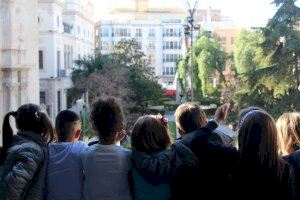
(201, 164)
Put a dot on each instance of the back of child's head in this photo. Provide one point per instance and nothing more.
(258, 138)
(288, 126)
(29, 117)
(189, 117)
(66, 124)
(108, 119)
(150, 134)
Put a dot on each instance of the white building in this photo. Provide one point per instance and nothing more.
(159, 31)
(19, 81)
(66, 33)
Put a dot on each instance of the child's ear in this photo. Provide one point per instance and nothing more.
(120, 135)
(78, 133)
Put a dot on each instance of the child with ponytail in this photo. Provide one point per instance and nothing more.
(24, 156)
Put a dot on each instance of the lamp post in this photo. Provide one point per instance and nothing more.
(189, 29)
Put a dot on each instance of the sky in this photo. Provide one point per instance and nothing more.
(244, 13)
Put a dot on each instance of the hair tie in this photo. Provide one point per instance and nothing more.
(162, 119)
(248, 114)
(13, 113)
(37, 115)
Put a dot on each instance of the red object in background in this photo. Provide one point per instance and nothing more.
(170, 92)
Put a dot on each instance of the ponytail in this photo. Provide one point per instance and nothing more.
(48, 128)
(7, 134)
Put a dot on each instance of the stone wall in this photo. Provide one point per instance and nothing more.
(19, 82)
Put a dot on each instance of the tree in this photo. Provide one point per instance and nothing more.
(209, 59)
(125, 74)
(267, 61)
(248, 54)
(142, 80)
(282, 38)
(101, 77)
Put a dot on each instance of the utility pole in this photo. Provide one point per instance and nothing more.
(189, 29)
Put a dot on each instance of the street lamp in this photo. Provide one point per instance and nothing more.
(189, 28)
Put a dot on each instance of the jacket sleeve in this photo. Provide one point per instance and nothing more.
(26, 163)
(154, 168)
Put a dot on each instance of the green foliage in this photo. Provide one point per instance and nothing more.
(248, 54)
(209, 58)
(125, 74)
(267, 62)
(182, 69)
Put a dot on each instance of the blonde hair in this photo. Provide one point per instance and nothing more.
(189, 117)
(288, 126)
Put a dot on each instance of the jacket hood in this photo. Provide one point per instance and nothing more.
(30, 136)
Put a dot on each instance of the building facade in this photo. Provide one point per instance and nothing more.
(159, 31)
(19, 75)
(66, 33)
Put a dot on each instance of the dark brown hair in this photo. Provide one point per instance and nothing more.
(65, 123)
(150, 135)
(107, 117)
(258, 141)
(189, 117)
(29, 117)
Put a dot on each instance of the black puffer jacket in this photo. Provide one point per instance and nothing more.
(23, 174)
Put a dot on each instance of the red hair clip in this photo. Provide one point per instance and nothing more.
(165, 121)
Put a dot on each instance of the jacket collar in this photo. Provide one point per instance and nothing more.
(33, 136)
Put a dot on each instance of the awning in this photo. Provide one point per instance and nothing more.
(170, 92)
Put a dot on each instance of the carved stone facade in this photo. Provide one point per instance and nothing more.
(66, 33)
(19, 74)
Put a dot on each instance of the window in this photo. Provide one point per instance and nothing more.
(65, 56)
(152, 45)
(169, 71)
(172, 45)
(104, 32)
(58, 60)
(171, 32)
(78, 30)
(96, 32)
(41, 60)
(58, 101)
(171, 57)
(151, 32)
(42, 97)
(71, 57)
(139, 44)
(122, 32)
(67, 27)
(58, 21)
(138, 32)
(19, 76)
